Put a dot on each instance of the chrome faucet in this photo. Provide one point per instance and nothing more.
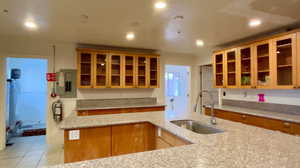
(213, 120)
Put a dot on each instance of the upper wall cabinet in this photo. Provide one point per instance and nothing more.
(109, 69)
(272, 63)
(285, 61)
(231, 69)
(85, 69)
(244, 64)
(218, 61)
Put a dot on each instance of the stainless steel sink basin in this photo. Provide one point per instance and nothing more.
(196, 127)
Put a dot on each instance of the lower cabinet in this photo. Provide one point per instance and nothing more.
(93, 143)
(263, 122)
(116, 140)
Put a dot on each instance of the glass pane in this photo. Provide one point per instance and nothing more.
(85, 69)
(101, 65)
(153, 71)
(231, 68)
(173, 84)
(245, 66)
(263, 69)
(219, 70)
(115, 70)
(142, 71)
(129, 70)
(284, 62)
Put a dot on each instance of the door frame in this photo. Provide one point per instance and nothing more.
(189, 104)
(3, 62)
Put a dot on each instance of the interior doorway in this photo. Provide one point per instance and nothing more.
(177, 91)
(26, 97)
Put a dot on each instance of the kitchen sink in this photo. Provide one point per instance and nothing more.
(197, 127)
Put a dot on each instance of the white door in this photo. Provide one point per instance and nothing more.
(177, 81)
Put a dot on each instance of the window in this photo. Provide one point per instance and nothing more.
(173, 84)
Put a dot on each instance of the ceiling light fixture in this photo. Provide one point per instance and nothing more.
(254, 22)
(30, 25)
(130, 36)
(160, 5)
(200, 43)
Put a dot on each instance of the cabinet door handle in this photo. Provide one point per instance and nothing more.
(244, 116)
(286, 124)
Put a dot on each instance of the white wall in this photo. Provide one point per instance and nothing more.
(66, 58)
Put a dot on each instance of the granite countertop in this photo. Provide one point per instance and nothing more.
(239, 146)
(116, 106)
(268, 114)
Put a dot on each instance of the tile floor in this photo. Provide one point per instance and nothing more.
(30, 152)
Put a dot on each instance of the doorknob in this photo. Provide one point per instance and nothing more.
(172, 100)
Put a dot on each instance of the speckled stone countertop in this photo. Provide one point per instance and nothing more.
(274, 115)
(239, 146)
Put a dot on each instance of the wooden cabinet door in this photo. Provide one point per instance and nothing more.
(285, 61)
(129, 138)
(142, 73)
(154, 72)
(218, 69)
(93, 143)
(245, 67)
(85, 69)
(129, 69)
(115, 70)
(263, 67)
(101, 70)
(298, 60)
(231, 69)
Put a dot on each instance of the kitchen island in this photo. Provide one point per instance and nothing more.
(239, 146)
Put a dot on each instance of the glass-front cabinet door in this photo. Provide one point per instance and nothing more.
(142, 69)
(245, 62)
(263, 67)
(218, 68)
(85, 68)
(285, 61)
(231, 68)
(115, 71)
(101, 70)
(129, 71)
(154, 71)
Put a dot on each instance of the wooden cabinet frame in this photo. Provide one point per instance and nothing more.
(226, 69)
(108, 82)
(239, 67)
(215, 71)
(293, 37)
(95, 69)
(298, 60)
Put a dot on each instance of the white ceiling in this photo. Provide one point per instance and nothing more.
(214, 21)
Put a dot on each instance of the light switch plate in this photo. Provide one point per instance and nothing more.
(74, 135)
(159, 132)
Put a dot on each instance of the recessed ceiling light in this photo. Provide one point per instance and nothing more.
(130, 36)
(254, 22)
(30, 25)
(160, 5)
(200, 43)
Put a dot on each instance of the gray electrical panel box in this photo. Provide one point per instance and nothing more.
(66, 86)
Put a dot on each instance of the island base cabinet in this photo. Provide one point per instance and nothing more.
(93, 143)
(132, 138)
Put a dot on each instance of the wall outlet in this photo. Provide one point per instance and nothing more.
(159, 132)
(74, 135)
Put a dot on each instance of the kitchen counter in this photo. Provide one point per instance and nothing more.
(239, 146)
(268, 114)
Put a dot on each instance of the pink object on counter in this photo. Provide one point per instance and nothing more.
(261, 97)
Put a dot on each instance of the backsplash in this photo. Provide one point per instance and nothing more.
(281, 108)
(289, 97)
(83, 103)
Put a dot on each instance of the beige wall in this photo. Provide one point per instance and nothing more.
(66, 58)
